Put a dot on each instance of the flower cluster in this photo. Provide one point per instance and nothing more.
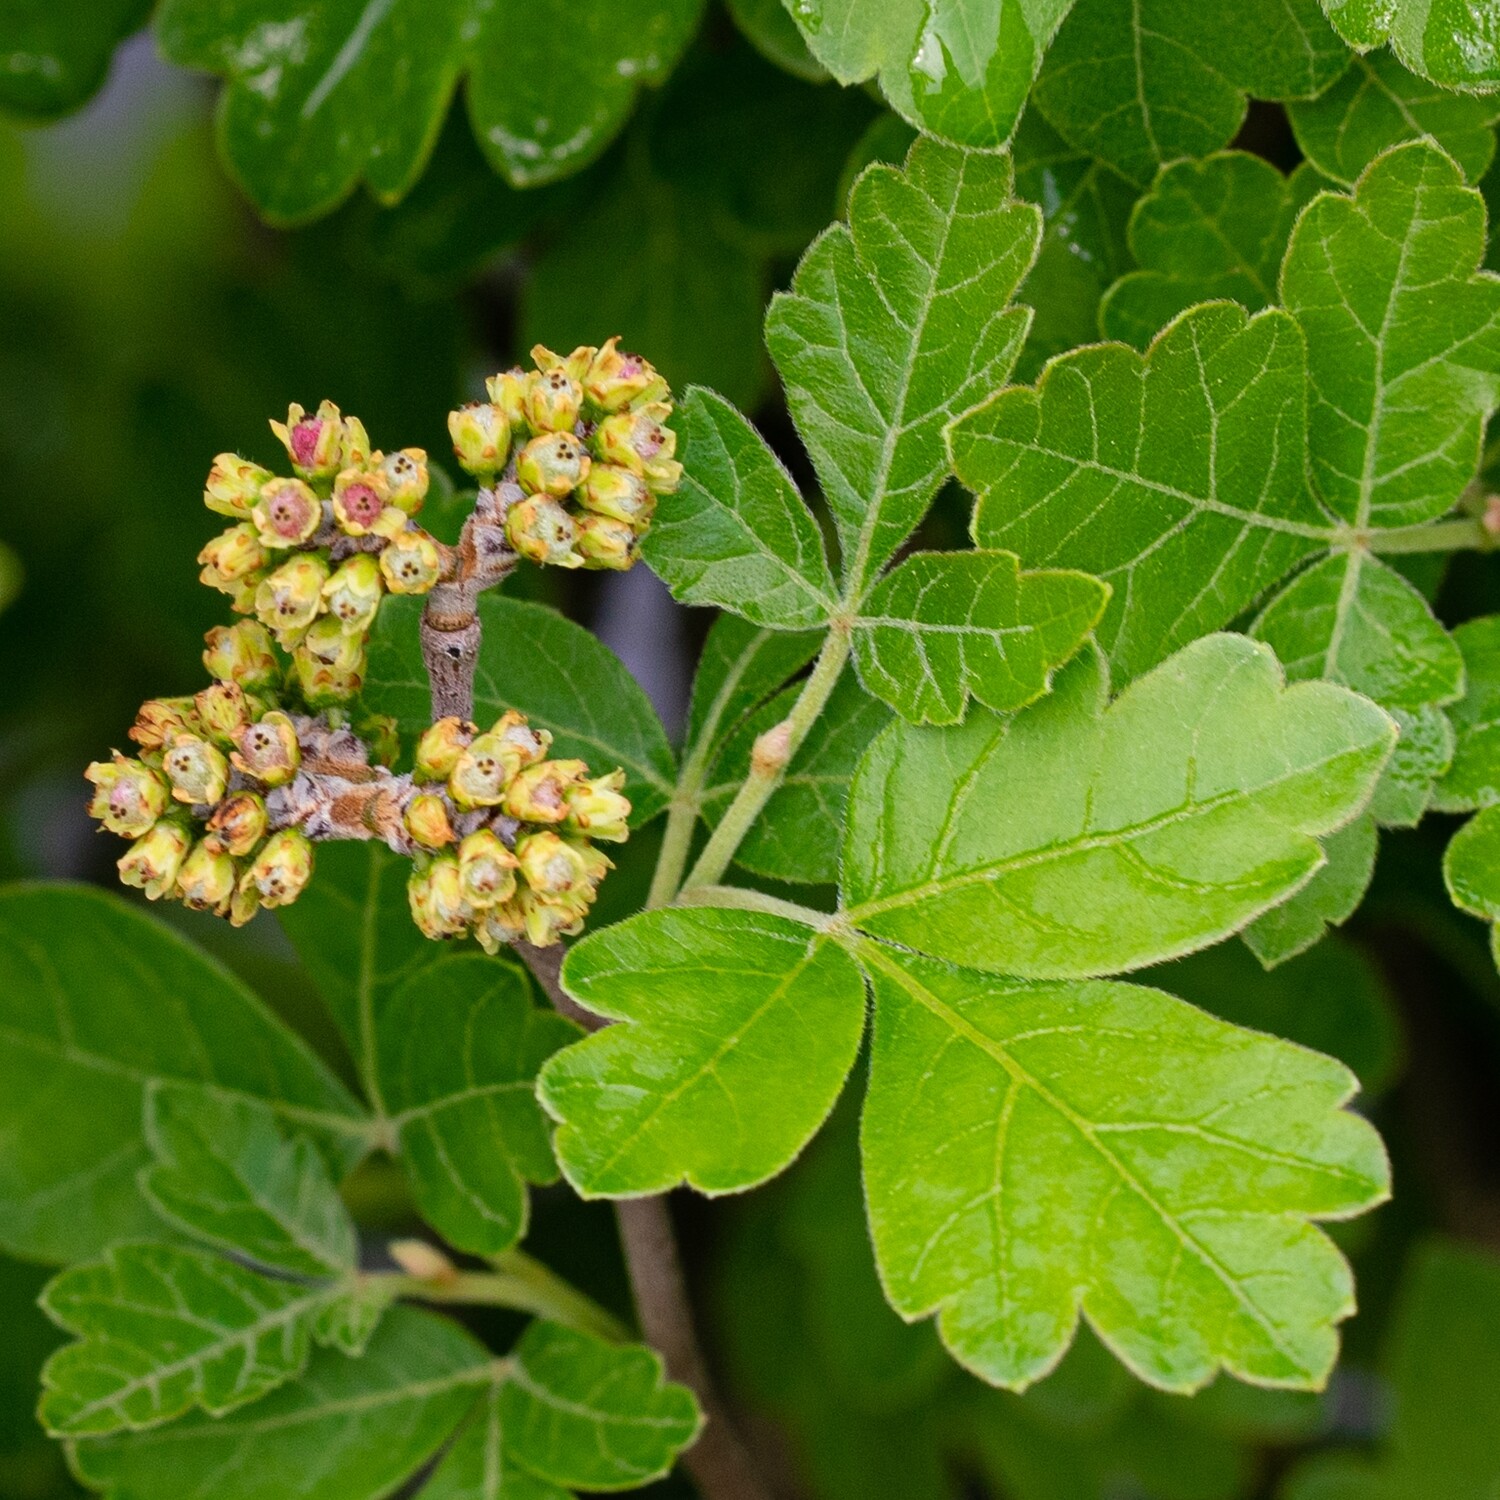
(577, 451)
(508, 835)
(311, 556)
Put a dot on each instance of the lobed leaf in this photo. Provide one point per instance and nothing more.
(1422, 754)
(1471, 866)
(476, 1466)
(52, 60)
(1473, 779)
(1449, 41)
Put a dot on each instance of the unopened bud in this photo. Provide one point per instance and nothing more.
(603, 543)
(546, 922)
(487, 869)
(268, 750)
(242, 653)
(636, 440)
(499, 926)
(406, 478)
(329, 664)
(553, 464)
(206, 880)
(440, 747)
(243, 904)
(128, 795)
(291, 598)
(232, 557)
(552, 867)
(425, 1262)
(508, 392)
(553, 400)
(234, 485)
(158, 719)
(313, 443)
(514, 731)
(354, 591)
(619, 495)
(541, 531)
(575, 365)
(152, 863)
(539, 794)
(382, 734)
(287, 514)
(437, 899)
(222, 710)
(359, 500)
(354, 441)
(197, 770)
(426, 820)
(599, 809)
(281, 870)
(481, 771)
(481, 437)
(238, 823)
(616, 380)
(411, 563)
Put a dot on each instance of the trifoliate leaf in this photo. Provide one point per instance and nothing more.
(1473, 779)
(460, 1046)
(347, 1429)
(1378, 104)
(225, 1172)
(1075, 838)
(955, 70)
(51, 60)
(737, 532)
(1403, 338)
(738, 1031)
(1139, 83)
(944, 625)
(1215, 228)
(316, 100)
(1033, 1152)
(163, 1330)
(598, 1416)
(1452, 42)
(97, 1001)
(476, 1466)
(894, 324)
(1176, 477)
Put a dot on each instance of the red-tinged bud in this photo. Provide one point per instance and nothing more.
(406, 478)
(234, 485)
(197, 770)
(206, 880)
(599, 809)
(313, 443)
(291, 598)
(268, 750)
(232, 557)
(437, 899)
(329, 664)
(553, 400)
(426, 819)
(360, 498)
(508, 392)
(223, 710)
(153, 862)
(411, 564)
(603, 543)
(516, 734)
(481, 772)
(353, 593)
(128, 795)
(487, 869)
(242, 653)
(554, 464)
(237, 824)
(441, 746)
(541, 531)
(481, 437)
(158, 719)
(615, 380)
(280, 872)
(539, 794)
(551, 866)
(618, 495)
(287, 514)
(499, 926)
(546, 922)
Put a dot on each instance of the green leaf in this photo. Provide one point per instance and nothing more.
(225, 1172)
(737, 532)
(51, 59)
(1473, 779)
(1378, 104)
(1451, 42)
(476, 1466)
(580, 1412)
(956, 70)
(1403, 338)
(460, 1046)
(943, 625)
(1033, 1152)
(1176, 477)
(350, 1313)
(1139, 83)
(1215, 228)
(895, 323)
(96, 1003)
(563, 678)
(319, 97)
(163, 1330)
(347, 1429)
(1422, 754)
(1471, 866)
(770, 27)
(1075, 838)
(740, 1029)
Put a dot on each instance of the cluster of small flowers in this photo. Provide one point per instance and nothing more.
(577, 452)
(311, 557)
(508, 833)
(194, 801)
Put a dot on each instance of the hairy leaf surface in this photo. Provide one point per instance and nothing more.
(1449, 41)
(1473, 779)
(476, 1466)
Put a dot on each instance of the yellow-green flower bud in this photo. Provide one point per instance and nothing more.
(291, 598)
(437, 899)
(603, 543)
(232, 557)
(242, 653)
(615, 380)
(508, 392)
(360, 498)
(406, 478)
(281, 870)
(499, 926)
(206, 880)
(330, 665)
(153, 862)
(238, 823)
(354, 592)
(426, 819)
(243, 904)
(539, 794)
(487, 869)
(197, 770)
(481, 437)
(313, 443)
(546, 922)
(553, 464)
(575, 366)
(411, 563)
(636, 440)
(541, 531)
(234, 485)
(287, 514)
(128, 795)
(553, 401)
(440, 747)
(599, 809)
(223, 711)
(158, 719)
(268, 750)
(480, 773)
(354, 442)
(552, 867)
(618, 495)
(528, 745)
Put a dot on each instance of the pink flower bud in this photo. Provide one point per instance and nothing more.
(287, 514)
(359, 500)
(313, 443)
